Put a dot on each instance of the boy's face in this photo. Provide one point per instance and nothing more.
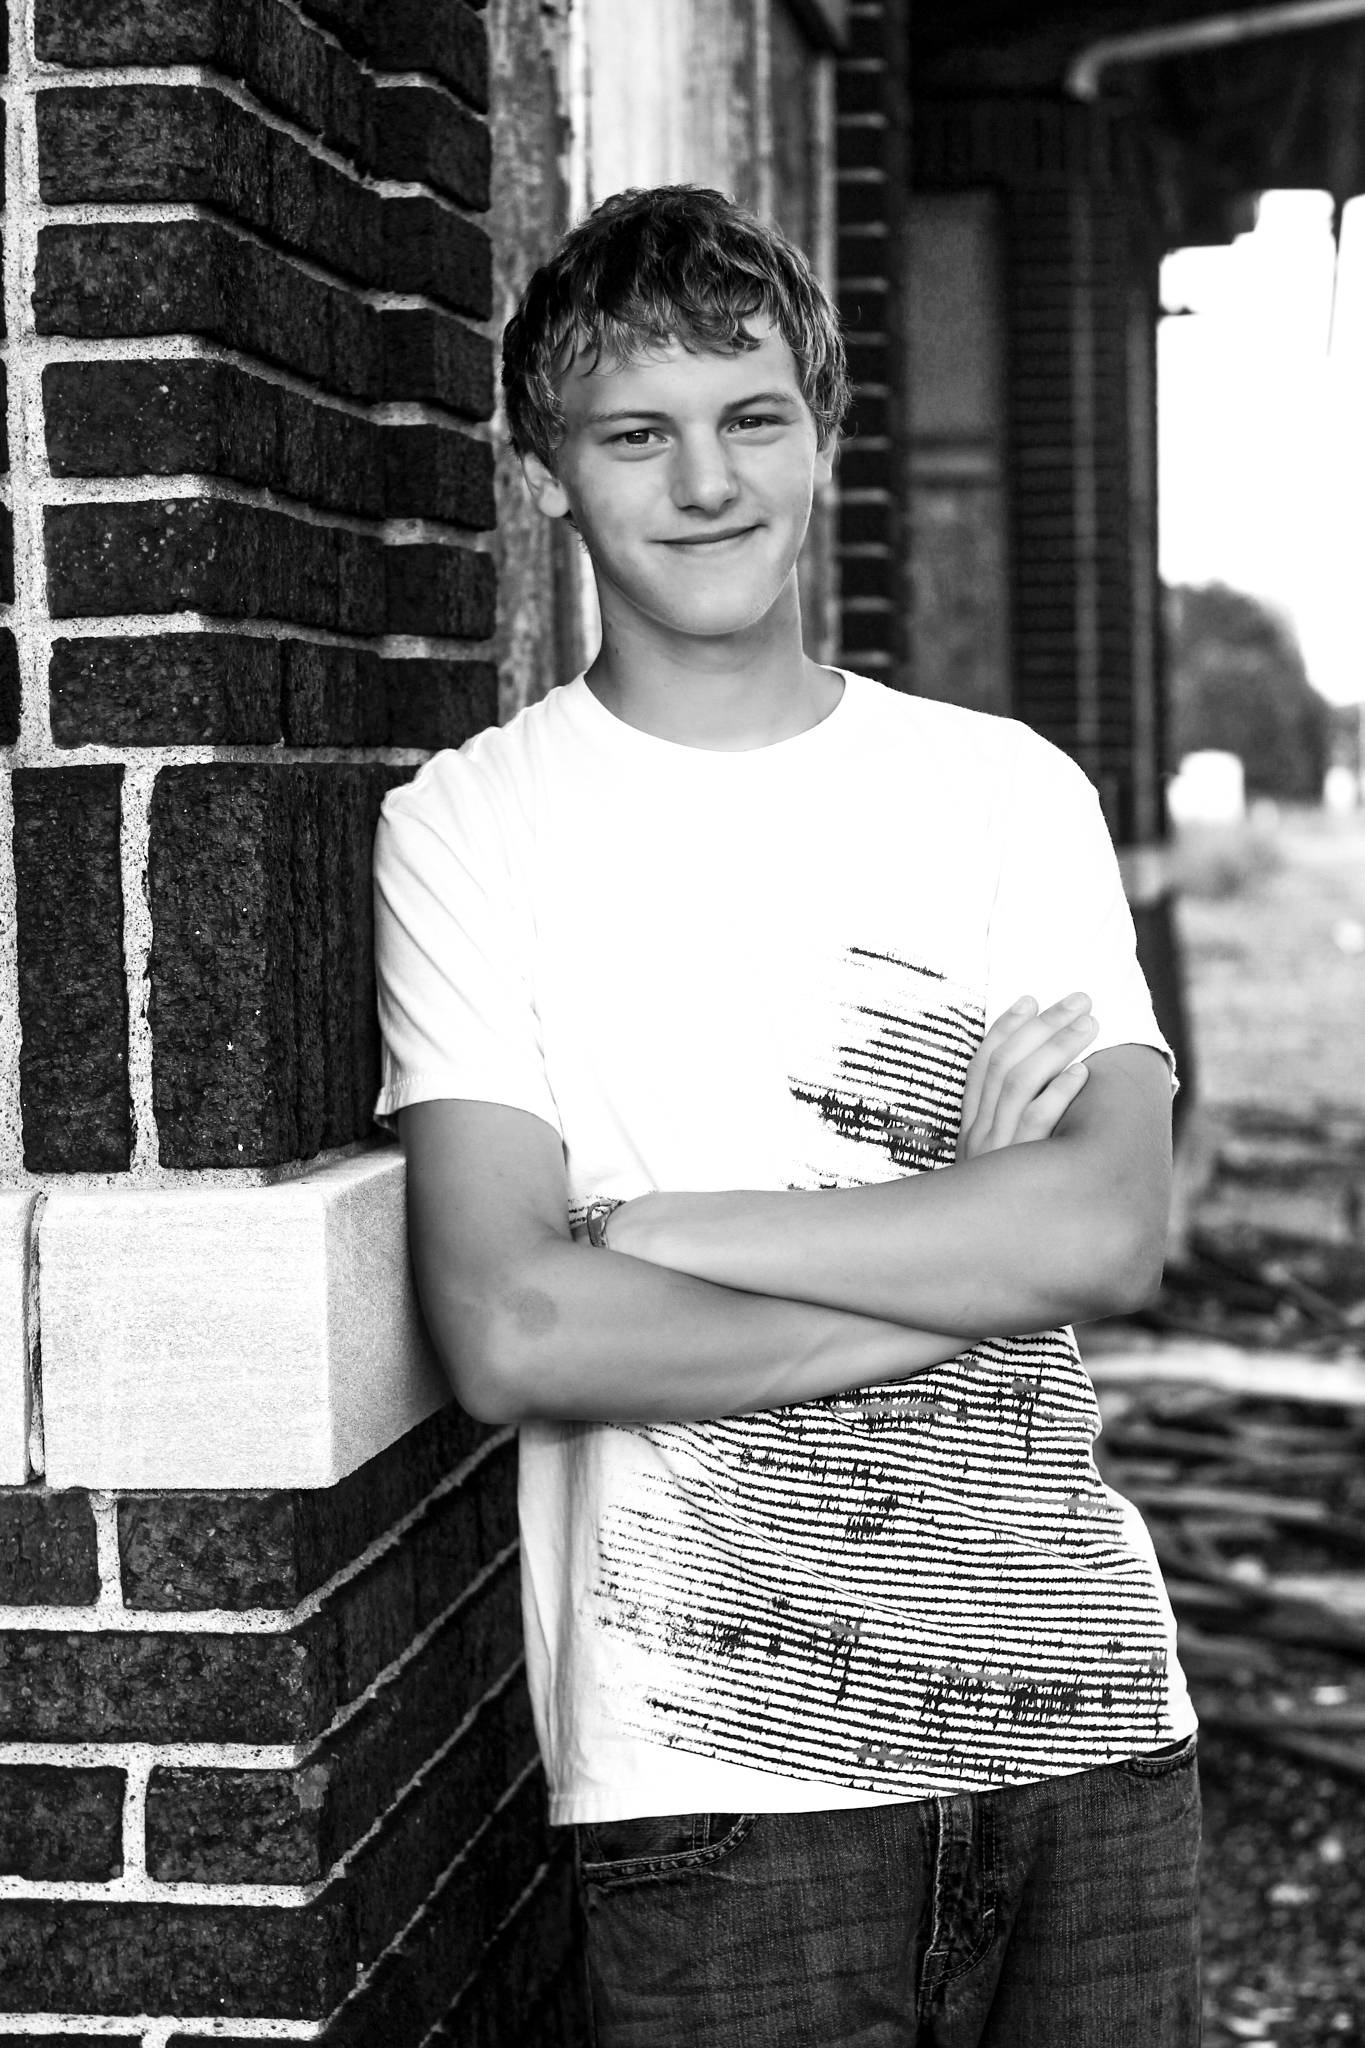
(689, 477)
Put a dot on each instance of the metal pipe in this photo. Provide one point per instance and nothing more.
(1213, 32)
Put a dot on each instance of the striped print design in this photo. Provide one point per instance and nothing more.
(917, 1589)
(895, 1081)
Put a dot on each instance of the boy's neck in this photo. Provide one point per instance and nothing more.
(726, 694)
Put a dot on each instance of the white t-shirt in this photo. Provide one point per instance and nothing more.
(769, 970)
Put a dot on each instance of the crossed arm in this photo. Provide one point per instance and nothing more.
(714, 1304)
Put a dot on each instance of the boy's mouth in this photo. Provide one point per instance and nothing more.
(704, 540)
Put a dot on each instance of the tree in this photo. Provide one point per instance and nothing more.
(1238, 683)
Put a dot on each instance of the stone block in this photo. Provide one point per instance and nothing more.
(450, 592)
(428, 248)
(196, 277)
(57, 1823)
(165, 689)
(333, 696)
(439, 703)
(210, 555)
(48, 1556)
(194, 1550)
(16, 1220)
(431, 357)
(219, 1337)
(73, 1005)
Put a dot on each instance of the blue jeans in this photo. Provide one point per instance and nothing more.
(1055, 1915)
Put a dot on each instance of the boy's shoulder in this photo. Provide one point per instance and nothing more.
(957, 736)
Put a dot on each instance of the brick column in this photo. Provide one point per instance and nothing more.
(873, 118)
(266, 1769)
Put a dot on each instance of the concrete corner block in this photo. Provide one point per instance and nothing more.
(226, 1337)
(16, 1218)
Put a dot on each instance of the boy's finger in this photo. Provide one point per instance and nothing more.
(1004, 1026)
(1025, 1081)
(1046, 1111)
(1021, 1044)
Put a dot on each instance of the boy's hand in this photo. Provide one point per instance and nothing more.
(1022, 1078)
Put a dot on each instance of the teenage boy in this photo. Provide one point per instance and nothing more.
(857, 1683)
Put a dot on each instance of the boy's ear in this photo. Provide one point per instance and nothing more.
(824, 458)
(549, 494)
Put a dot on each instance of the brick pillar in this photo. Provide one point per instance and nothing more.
(873, 115)
(266, 1768)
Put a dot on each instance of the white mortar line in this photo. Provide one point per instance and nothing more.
(134, 841)
(156, 2033)
(137, 1770)
(11, 1113)
(125, 625)
(151, 488)
(33, 1390)
(109, 1602)
(109, 1614)
(187, 1756)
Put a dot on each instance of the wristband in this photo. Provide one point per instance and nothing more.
(596, 1217)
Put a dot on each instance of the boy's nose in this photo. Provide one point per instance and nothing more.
(703, 480)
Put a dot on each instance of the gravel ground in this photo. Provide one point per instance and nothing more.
(1273, 927)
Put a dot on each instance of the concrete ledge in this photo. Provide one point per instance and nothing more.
(229, 1337)
(16, 1214)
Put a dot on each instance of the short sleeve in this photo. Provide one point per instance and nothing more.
(1060, 920)
(453, 950)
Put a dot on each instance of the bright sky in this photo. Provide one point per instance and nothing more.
(1263, 431)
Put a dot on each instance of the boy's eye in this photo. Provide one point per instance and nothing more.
(635, 437)
(757, 419)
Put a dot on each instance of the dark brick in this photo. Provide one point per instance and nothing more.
(439, 703)
(236, 1034)
(217, 1826)
(442, 36)
(117, 1959)
(133, 1687)
(6, 555)
(449, 592)
(177, 143)
(423, 136)
(10, 691)
(57, 1823)
(432, 473)
(208, 554)
(4, 418)
(73, 1005)
(414, 1984)
(171, 277)
(534, 1963)
(47, 1549)
(333, 696)
(165, 689)
(134, 419)
(293, 67)
(430, 357)
(195, 1550)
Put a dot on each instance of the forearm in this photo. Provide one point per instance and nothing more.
(1019, 1239)
(574, 1334)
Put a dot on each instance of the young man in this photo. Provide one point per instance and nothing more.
(856, 1682)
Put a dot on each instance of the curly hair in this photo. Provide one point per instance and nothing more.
(671, 263)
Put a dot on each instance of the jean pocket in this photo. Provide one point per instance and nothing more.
(656, 1845)
(1163, 1763)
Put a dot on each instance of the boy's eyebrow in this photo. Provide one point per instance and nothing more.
(643, 412)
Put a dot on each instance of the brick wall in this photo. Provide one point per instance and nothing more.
(1080, 308)
(873, 119)
(266, 1769)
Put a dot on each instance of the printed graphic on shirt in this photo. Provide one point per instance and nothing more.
(895, 1080)
(908, 1589)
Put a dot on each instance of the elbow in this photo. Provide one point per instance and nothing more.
(483, 1362)
(1122, 1268)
